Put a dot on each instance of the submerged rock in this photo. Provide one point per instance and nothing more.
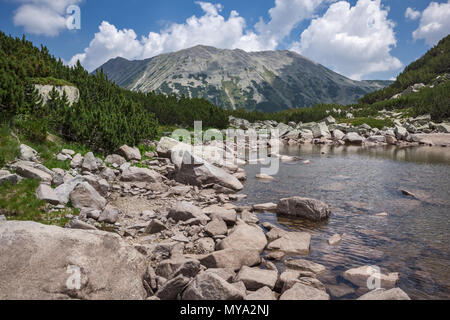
(383, 294)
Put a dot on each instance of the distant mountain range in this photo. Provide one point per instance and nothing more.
(266, 81)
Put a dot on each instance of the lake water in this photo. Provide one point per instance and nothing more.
(357, 183)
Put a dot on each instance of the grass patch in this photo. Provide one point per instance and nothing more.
(52, 82)
(374, 123)
(9, 147)
(19, 202)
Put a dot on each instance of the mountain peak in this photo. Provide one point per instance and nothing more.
(265, 81)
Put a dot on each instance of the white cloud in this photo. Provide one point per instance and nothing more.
(434, 24)
(412, 14)
(285, 16)
(354, 41)
(42, 17)
(212, 29)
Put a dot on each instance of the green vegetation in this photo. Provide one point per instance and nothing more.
(19, 202)
(9, 147)
(434, 63)
(374, 123)
(105, 117)
(52, 82)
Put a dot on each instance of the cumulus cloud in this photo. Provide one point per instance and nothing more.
(412, 14)
(212, 28)
(42, 17)
(354, 41)
(434, 23)
(284, 17)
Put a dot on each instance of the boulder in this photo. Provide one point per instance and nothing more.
(209, 286)
(42, 262)
(310, 209)
(265, 207)
(255, 278)
(391, 140)
(63, 191)
(45, 193)
(360, 276)
(173, 288)
(246, 237)
(304, 265)
(226, 274)
(89, 163)
(264, 176)
(68, 152)
(383, 294)
(301, 291)
(338, 134)
(184, 211)
(27, 153)
(195, 171)
(115, 159)
(84, 197)
(320, 130)
(155, 226)
(292, 243)
(401, 133)
(353, 138)
(232, 259)
(263, 294)
(219, 212)
(135, 174)
(10, 178)
(443, 128)
(77, 161)
(78, 224)
(217, 227)
(33, 173)
(130, 153)
(109, 215)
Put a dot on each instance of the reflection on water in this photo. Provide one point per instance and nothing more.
(358, 183)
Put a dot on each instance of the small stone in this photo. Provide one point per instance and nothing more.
(335, 239)
(155, 226)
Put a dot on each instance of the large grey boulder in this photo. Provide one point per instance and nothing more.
(304, 292)
(244, 236)
(63, 191)
(184, 211)
(401, 133)
(85, 198)
(255, 278)
(217, 227)
(49, 263)
(310, 209)
(383, 294)
(45, 193)
(130, 153)
(209, 286)
(89, 162)
(33, 173)
(353, 138)
(173, 288)
(320, 130)
(77, 161)
(263, 294)
(135, 174)
(233, 259)
(115, 159)
(195, 171)
(27, 153)
(10, 178)
(292, 243)
(304, 265)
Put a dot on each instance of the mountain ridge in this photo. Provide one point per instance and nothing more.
(234, 79)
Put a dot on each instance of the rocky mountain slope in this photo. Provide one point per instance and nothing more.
(265, 81)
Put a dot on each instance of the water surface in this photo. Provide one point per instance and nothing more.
(358, 183)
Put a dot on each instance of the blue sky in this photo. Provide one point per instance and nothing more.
(362, 39)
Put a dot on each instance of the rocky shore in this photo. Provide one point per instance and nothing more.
(406, 131)
(163, 226)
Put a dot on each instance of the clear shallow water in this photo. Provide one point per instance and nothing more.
(359, 183)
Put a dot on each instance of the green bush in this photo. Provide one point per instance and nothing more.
(32, 128)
